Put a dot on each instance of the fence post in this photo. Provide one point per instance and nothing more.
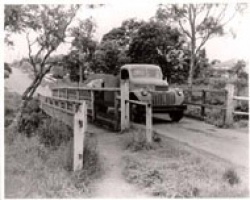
(116, 114)
(77, 94)
(66, 94)
(229, 104)
(203, 102)
(80, 127)
(93, 105)
(149, 123)
(124, 105)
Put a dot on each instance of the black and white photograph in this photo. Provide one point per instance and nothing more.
(125, 99)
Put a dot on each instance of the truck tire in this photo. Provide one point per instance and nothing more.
(176, 116)
(137, 114)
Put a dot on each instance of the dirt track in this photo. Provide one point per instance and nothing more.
(228, 144)
(113, 184)
(19, 81)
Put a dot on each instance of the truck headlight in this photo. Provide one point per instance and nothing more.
(179, 92)
(144, 92)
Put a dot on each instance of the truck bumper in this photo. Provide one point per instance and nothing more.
(167, 109)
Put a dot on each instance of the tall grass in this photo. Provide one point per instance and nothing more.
(174, 170)
(38, 160)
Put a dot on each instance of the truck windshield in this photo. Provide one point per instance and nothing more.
(145, 73)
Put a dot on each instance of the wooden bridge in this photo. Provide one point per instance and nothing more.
(72, 105)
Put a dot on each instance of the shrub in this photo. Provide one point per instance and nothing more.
(12, 101)
(231, 177)
(53, 133)
(31, 118)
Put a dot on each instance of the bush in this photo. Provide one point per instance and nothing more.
(12, 101)
(31, 118)
(53, 133)
(231, 177)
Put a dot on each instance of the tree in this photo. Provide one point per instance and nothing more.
(7, 70)
(83, 48)
(106, 58)
(50, 27)
(124, 34)
(48, 24)
(159, 44)
(199, 23)
(17, 18)
(112, 52)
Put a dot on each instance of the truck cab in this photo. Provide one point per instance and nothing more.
(146, 83)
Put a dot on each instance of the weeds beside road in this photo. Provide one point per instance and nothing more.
(173, 169)
(37, 166)
(38, 160)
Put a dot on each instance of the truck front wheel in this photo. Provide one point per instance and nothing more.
(176, 116)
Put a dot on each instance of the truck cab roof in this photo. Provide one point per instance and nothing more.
(130, 66)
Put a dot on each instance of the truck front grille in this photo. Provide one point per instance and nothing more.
(163, 98)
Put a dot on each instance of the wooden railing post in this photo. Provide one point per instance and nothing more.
(149, 123)
(66, 96)
(203, 103)
(77, 94)
(80, 127)
(92, 94)
(229, 104)
(124, 105)
(116, 112)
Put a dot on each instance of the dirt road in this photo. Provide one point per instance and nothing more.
(228, 144)
(19, 81)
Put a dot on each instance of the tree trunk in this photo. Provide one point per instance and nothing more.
(81, 74)
(191, 69)
(26, 97)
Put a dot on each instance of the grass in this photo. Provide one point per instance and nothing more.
(172, 169)
(11, 102)
(35, 171)
(40, 166)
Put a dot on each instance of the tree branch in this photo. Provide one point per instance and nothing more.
(184, 30)
(30, 54)
(205, 39)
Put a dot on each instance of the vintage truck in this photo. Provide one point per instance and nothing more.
(145, 83)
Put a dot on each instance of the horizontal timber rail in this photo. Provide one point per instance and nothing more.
(240, 98)
(60, 108)
(87, 89)
(203, 99)
(95, 99)
(225, 97)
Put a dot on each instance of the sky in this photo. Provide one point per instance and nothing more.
(114, 12)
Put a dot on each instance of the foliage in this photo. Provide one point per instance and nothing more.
(50, 23)
(31, 118)
(199, 23)
(178, 171)
(83, 47)
(53, 133)
(125, 33)
(231, 176)
(112, 53)
(159, 44)
(17, 18)
(7, 70)
(108, 58)
(27, 159)
(11, 102)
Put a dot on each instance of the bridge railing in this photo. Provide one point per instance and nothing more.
(94, 101)
(74, 114)
(224, 101)
(204, 99)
